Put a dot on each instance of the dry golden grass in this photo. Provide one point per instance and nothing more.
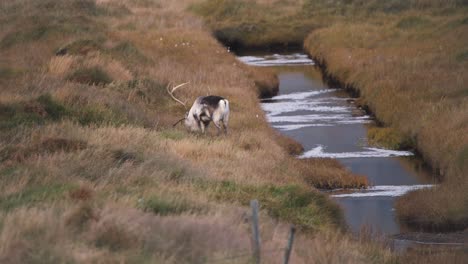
(86, 233)
(91, 169)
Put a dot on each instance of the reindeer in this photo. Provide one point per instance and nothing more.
(204, 110)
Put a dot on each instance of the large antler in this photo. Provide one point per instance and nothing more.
(171, 93)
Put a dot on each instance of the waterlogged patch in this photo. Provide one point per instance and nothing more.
(318, 152)
(277, 60)
(384, 190)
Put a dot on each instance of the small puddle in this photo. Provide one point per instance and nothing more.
(328, 124)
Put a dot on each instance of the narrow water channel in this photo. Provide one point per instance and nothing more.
(327, 123)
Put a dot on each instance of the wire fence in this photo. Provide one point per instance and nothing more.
(256, 252)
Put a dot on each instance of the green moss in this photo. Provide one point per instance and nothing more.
(121, 156)
(462, 159)
(166, 206)
(90, 75)
(54, 109)
(37, 111)
(464, 21)
(32, 34)
(128, 51)
(33, 195)
(7, 73)
(462, 56)
(46, 109)
(98, 114)
(388, 137)
(222, 8)
(46, 26)
(293, 203)
(412, 22)
(172, 134)
(80, 47)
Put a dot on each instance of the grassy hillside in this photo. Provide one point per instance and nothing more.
(91, 169)
(406, 59)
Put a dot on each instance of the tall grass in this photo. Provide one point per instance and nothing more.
(93, 171)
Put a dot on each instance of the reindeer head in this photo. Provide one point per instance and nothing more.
(189, 120)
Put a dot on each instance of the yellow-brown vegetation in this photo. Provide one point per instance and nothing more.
(92, 171)
(407, 71)
(406, 59)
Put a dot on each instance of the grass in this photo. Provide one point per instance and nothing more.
(418, 110)
(87, 144)
(252, 24)
(294, 203)
(405, 59)
(389, 138)
(36, 111)
(33, 195)
(412, 22)
(407, 62)
(91, 76)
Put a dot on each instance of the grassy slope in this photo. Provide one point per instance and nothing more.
(92, 171)
(408, 59)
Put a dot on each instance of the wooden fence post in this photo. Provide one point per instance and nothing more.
(287, 253)
(255, 231)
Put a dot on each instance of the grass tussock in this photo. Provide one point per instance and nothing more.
(388, 137)
(265, 80)
(328, 174)
(91, 76)
(87, 144)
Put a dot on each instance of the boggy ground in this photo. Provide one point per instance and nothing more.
(92, 171)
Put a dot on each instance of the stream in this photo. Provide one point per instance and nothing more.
(328, 124)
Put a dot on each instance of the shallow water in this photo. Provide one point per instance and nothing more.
(327, 123)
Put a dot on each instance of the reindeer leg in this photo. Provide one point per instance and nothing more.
(218, 127)
(202, 126)
(224, 123)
